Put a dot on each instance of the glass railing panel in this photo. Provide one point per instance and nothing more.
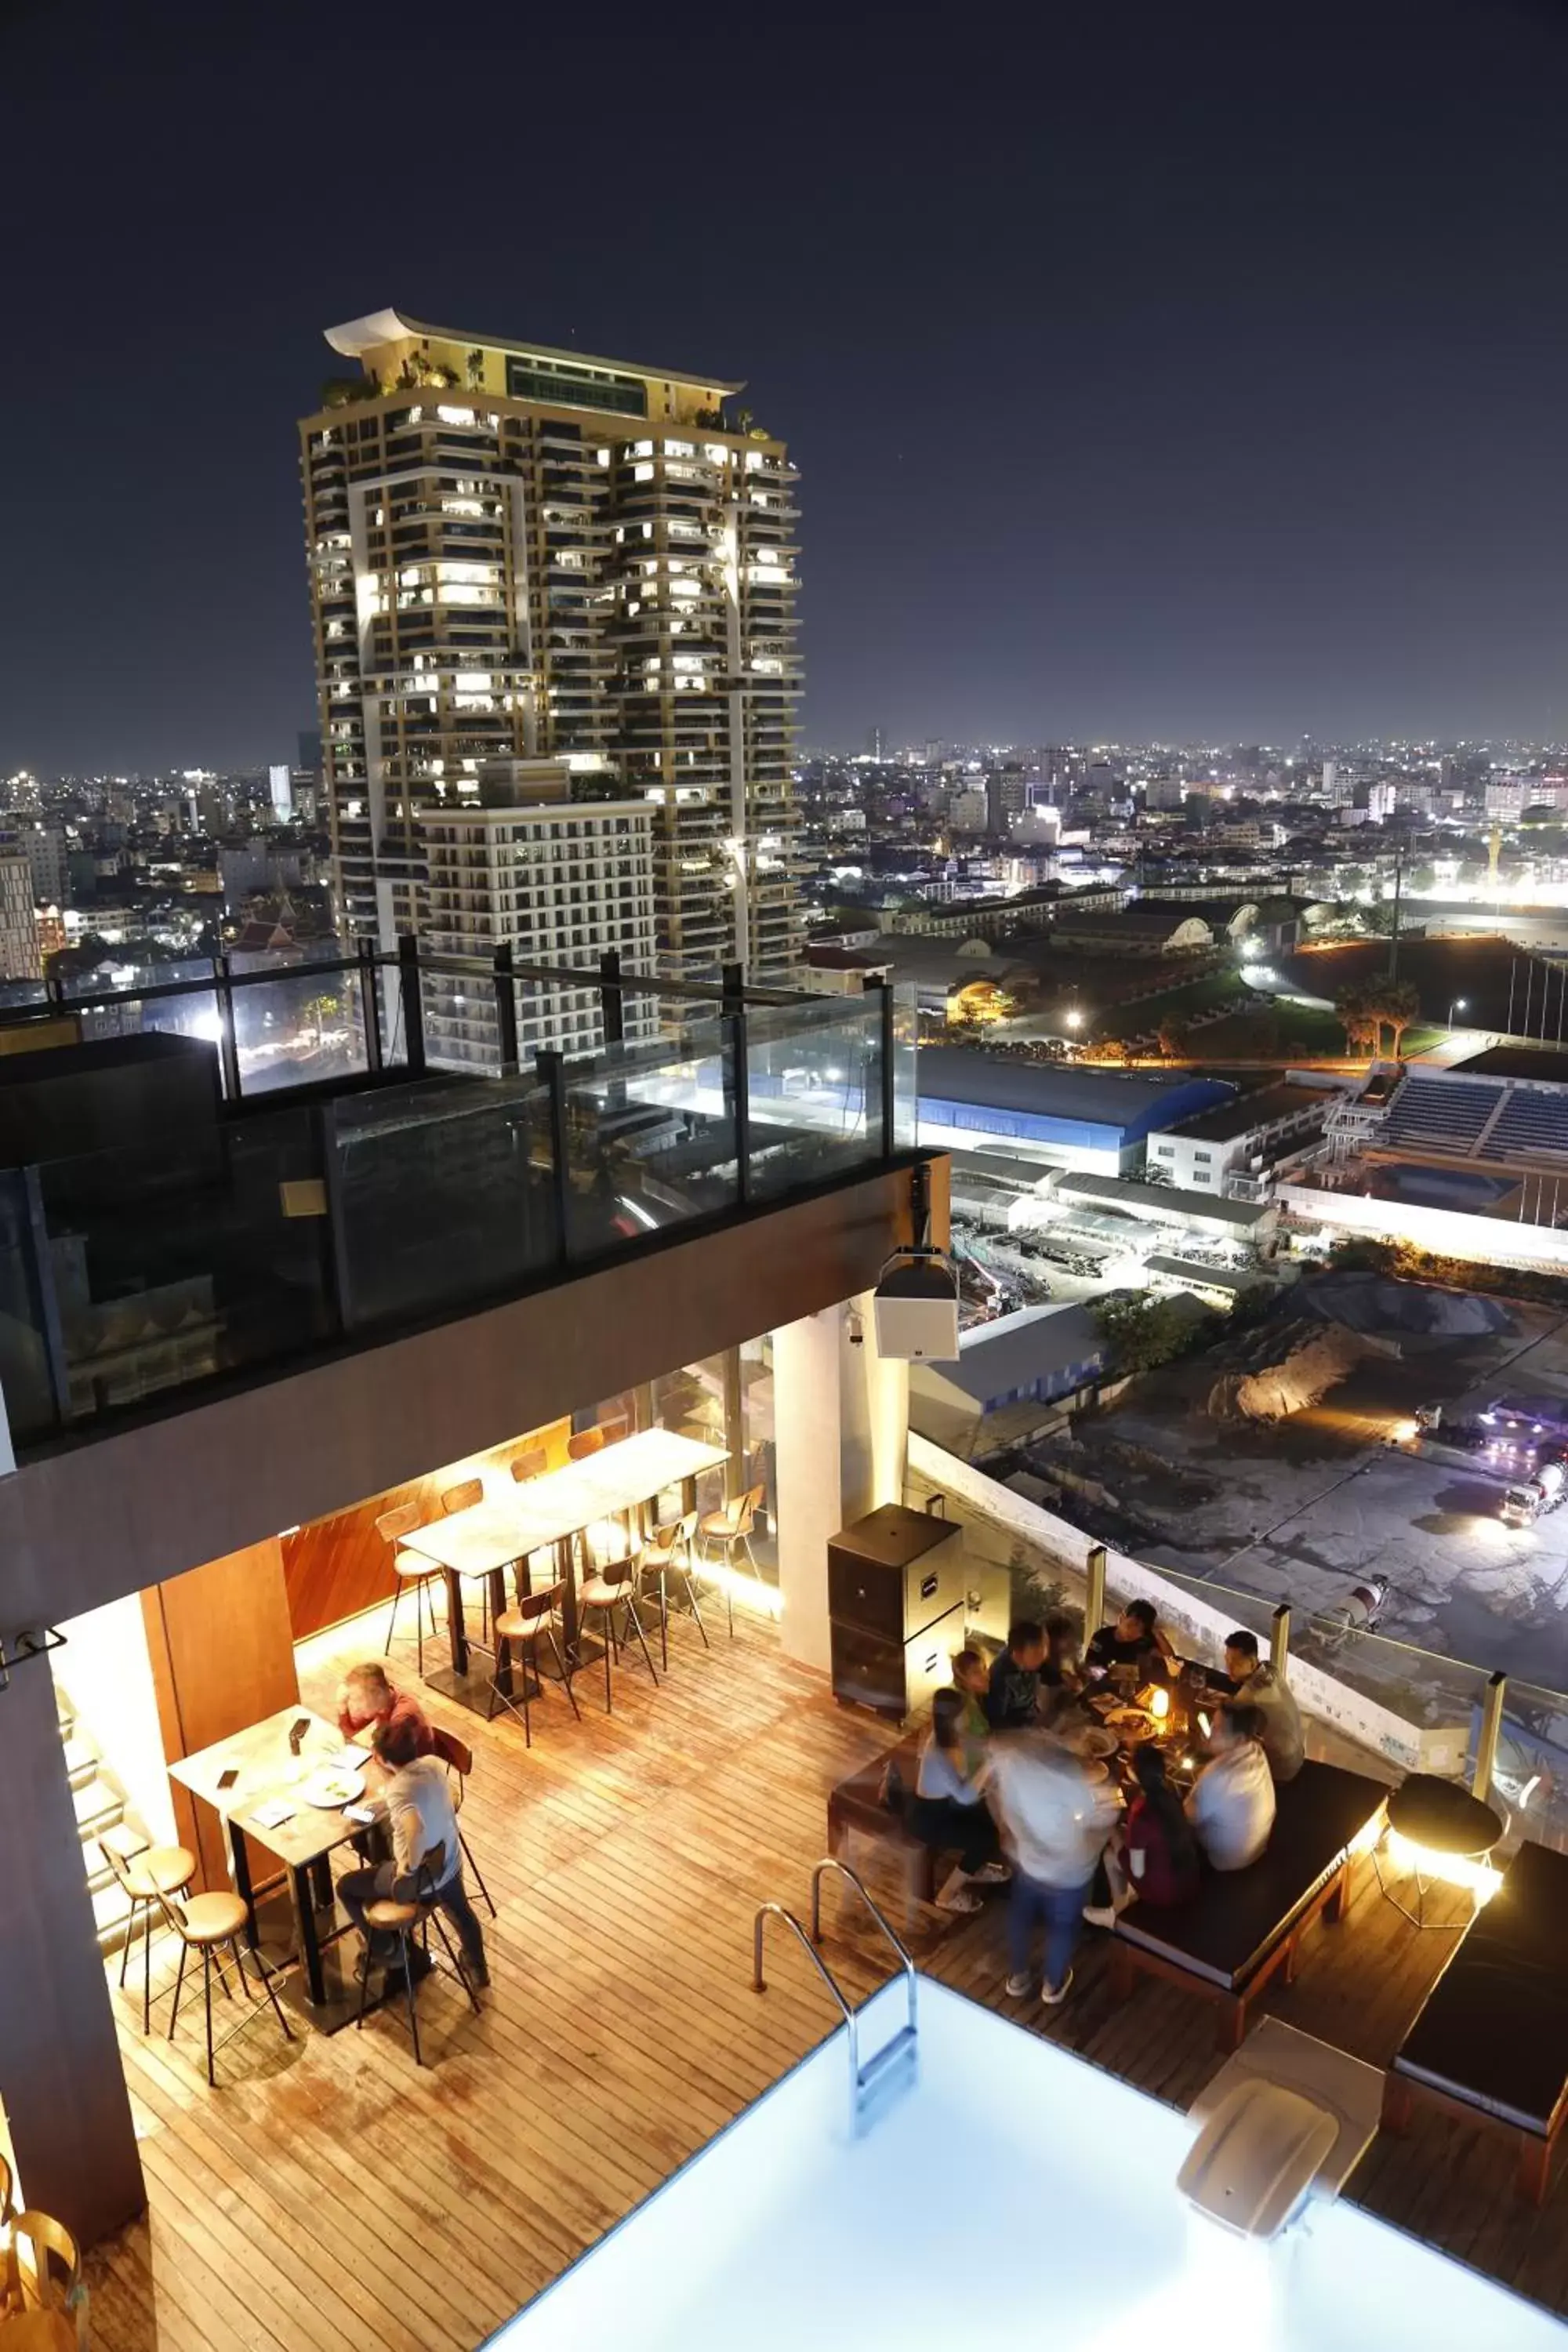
(25, 1375)
(1530, 1773)
(813, 1080)
(174, 1263)
(301, 1028)
(443, 1196)
(906, 1047)
(650, 1137)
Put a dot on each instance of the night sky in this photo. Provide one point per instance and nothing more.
(1190, 373)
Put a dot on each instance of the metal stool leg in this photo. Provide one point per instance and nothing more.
(392, 1621)
(208, 2004)
(478, 1879)
(130, 1939)
(147, 1968)
(408, 1952)
(179, 1981)
(565, 1672)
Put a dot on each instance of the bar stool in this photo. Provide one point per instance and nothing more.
(145, 1872)
(203, 1925)
(728, 1531)
(410, 1567)
(458, 1758)
(613, 1586)
(667, 1553)
(586, 1441)
(531, 1464)
(533, 1620)
(463, 1497)
(52, 2315)
(409, 1921)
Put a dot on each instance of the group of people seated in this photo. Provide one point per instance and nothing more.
(1001, 1788)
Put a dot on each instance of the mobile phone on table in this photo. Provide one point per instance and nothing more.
(226, 1780)
(297, 1733)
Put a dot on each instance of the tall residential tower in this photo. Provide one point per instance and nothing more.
(519, 555)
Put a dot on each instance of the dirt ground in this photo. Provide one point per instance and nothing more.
(1308, 1508)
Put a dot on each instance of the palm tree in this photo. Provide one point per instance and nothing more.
(1354, 1011)
(1398, 1004)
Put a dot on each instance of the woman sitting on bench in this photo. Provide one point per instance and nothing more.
(948, 1810)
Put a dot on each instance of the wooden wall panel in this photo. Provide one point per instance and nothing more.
(61, 2082)
(335, 1568)
(223, 1657)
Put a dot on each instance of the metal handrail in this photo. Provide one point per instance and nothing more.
(758, 1982)
(842, 1870)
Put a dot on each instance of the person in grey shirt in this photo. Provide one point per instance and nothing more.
(1255, 1684)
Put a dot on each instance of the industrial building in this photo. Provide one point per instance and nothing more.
(1096, 1121)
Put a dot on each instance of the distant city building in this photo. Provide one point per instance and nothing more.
(557, 880)
(20, 955)
(280, 791)
(49, 859)
(876, 743)
(518, 553)
(1382, 800)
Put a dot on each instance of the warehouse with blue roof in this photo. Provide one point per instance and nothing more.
(1060, 1115)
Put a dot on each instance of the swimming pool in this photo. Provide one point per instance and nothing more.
(1015, 2194)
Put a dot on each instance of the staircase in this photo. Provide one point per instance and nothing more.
(99, 1811)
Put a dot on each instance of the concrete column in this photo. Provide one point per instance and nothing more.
(806, 1422)
(841, 1431)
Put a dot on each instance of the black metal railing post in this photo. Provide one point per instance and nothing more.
(551, 1069)
(412, 1003)
(506, 1010)
(612, 1001)
(228, 1044)
(737, 1089)
(369, 1005)
(883, 988)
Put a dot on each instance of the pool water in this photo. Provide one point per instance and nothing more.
(1012, 2193)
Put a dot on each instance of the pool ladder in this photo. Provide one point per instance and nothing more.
(894, 2064)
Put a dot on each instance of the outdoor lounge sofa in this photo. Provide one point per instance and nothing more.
(1243, 1928)
(1490, 2043)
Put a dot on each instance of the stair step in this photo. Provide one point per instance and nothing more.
(81, 1761)
(899, 2052)
(96, 1807)
(110, 1909)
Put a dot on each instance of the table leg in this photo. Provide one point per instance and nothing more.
(503, 1649)
(242, 1885)
(305, 1921)
(568, 1570)
(455, 1625)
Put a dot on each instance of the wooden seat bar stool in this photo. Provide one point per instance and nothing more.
(205, 1924)
(729, 1531)
(458, 1758)
(144, 1871)
(410, 1567)
(669, 1555)
(408, 1918)
(612, 1586)
(49, 2312)
(534, 1619)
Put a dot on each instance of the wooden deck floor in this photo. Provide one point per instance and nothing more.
(328, 2193)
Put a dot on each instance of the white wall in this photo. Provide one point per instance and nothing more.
(107, 1674)
(1449, 1232)
(841, 1431)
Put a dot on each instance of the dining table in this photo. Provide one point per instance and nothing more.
(548, 1514)
(258, 1781)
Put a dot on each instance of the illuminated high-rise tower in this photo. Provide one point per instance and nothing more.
(521, 554)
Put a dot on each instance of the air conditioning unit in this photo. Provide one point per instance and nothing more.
(916, 1307)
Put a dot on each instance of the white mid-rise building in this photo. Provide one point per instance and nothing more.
(557, 880)
(20, 955)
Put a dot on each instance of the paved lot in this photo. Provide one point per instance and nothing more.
(1307, 1508)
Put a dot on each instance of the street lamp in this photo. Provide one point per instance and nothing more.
(1458, 1007)
(1073, 1019)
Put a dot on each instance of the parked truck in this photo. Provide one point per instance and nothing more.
(1532, 1497)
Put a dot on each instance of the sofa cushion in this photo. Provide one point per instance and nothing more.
(1494, 2029)
(1237, 1916)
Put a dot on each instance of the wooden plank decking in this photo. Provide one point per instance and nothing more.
(328, 2193)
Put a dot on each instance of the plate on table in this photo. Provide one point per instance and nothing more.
(1088, 1739)
(1095, 1769)
(1130, 1723)
(333, 1790)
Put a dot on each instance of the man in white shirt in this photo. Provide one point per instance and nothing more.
(1257, 1685)
(1055, 1821)
(1231, 1803)
(421, 1817)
